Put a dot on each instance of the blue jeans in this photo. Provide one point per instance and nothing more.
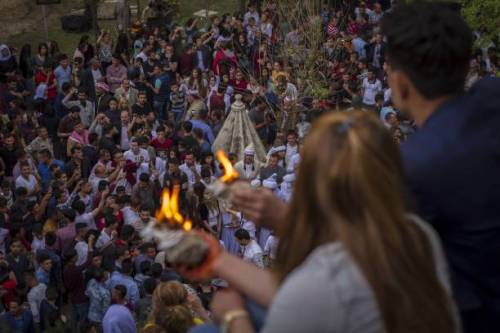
(79, 315)
(257, 316)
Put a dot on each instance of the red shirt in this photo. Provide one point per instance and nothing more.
(10, 286)
(162, 146)
(42, 77)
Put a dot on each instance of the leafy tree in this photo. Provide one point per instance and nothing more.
(483, 16)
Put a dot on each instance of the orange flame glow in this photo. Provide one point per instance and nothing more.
(229, 173)
(169, 210)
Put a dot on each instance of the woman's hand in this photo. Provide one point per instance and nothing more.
(205, 270)
(259, 206)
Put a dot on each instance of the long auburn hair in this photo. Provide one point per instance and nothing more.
(349, 189)
(170, 310)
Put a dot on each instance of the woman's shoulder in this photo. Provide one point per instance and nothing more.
(331, 293)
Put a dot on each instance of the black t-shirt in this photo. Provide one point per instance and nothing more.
(9, 158)
(107, 143)
(141, 110)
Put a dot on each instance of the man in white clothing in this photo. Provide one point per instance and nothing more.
(108, 234)
(250, 249)
(36, 295)
(248, 168)
(136, 154)
(28, 181)
(371, 87)
(191, 169)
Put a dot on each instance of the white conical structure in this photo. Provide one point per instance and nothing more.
(238, 132)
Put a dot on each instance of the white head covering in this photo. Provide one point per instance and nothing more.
(275, 150)
(294, 161)
(249, 150)
(270, 182)
(286, 189)
(255, 183)
(8, 54)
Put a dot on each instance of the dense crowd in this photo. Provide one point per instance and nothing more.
(90, 139)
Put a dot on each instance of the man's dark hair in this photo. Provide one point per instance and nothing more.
(122, 290)
(431, 43)
(145, 267)
(242, 234)
(75, 149)
(109, 220)
(156, 270)
(127, 267)
(187, 126)
(50, 238)
(79, 206)
(21, 191)
(45, 152)
(99, 274)
(149, 286)
(144, 177)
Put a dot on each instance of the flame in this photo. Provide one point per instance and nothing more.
(229, 172)
(169, 210)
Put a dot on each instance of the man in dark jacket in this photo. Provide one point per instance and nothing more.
(452, 162)
(89, 76)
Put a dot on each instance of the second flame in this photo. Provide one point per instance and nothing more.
(229, 173)
(169, 210)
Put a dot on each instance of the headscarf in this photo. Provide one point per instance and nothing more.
(8, 54)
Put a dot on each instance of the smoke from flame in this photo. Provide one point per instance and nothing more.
(229, 173)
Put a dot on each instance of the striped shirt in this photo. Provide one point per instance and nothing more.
(178, 101)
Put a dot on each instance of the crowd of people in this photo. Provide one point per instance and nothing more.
(90, 139)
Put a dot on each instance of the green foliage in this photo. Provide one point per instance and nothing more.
(484, 16)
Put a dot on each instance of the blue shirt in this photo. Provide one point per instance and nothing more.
(118, 319)
(62, 75)
(99, 299)
(44, 171)
(207, 131)
(359, 46)
(42, 276)
(132, 289)
(452, 165)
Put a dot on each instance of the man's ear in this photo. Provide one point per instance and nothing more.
(401, 88)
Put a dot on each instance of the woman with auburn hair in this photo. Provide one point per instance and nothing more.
(172, 309)
(350, 257)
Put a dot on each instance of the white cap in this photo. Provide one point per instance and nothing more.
(279, 148)
(249, 150)
(290, 178)
(270, 182)
(255, 183)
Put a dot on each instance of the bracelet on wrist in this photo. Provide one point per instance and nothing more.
(231, 316)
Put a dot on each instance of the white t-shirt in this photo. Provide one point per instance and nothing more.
(370, 91)
(103, 239)
(37, 244)
(35, 296)
(253, 253)
(129, 215)
(82, 249)
(29, 184)
(271, 247)
(88, 219)
(189, 173)
(130, 156)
